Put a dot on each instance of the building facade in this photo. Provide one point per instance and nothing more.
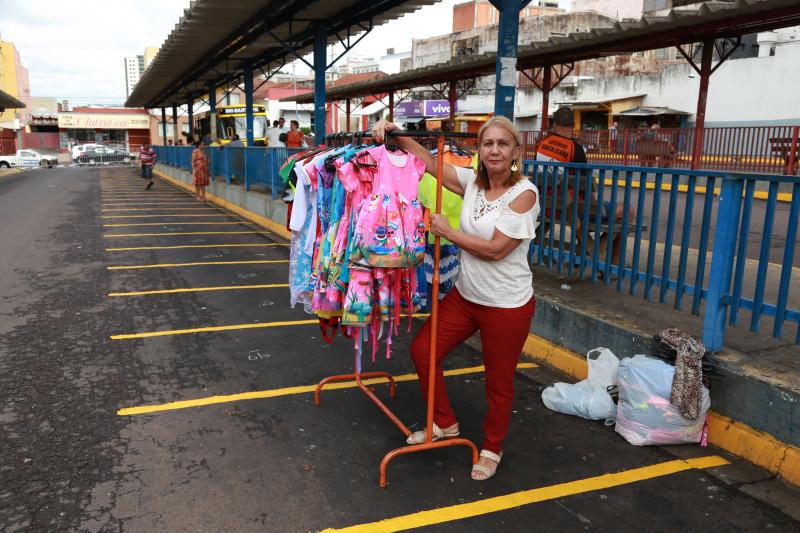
(124, 128)
(15, 81)
(133, 71)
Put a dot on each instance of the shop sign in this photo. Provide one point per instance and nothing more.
(412, 108)
(102, 121)
(434, 108)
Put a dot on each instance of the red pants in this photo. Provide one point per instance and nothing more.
(503, 334)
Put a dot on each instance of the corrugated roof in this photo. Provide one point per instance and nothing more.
(9, 102)
(680, 26)
(214, 38)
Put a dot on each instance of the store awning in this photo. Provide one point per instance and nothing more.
(371, 109)
(408, 120)
(600, 101)
(650, 112)
(9, 102)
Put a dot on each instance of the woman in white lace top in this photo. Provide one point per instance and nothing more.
(494, 291)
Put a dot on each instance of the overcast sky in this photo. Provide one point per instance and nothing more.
(74, 49)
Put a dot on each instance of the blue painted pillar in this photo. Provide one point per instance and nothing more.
(175, 132)
(719, 282)
(506, 66)
(248, 102)
(164, 125)
(212, 113)
(190, 114)
(320, 64)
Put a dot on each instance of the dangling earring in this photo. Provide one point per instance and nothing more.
(514, 166)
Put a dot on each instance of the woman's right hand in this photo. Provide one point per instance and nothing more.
(382, 127)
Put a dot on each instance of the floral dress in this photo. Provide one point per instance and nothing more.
(200, 167)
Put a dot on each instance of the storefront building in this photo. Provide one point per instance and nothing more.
(118, 127)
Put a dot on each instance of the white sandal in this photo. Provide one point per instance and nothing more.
(418, 437)
(485, 470)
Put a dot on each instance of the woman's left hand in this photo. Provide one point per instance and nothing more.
(440, 226)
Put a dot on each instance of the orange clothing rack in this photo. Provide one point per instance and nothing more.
(359, 376)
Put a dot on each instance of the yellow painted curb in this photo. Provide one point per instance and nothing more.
(738, 438)
(264, 222)
(758, 195)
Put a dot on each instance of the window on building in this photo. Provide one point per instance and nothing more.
(465, 47)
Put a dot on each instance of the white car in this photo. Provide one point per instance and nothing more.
(78, 148)
(27, 159)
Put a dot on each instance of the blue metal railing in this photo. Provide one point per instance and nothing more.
(249, 166)
(630, 227)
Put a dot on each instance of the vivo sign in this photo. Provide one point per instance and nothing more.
(437, 107)
(422, 108)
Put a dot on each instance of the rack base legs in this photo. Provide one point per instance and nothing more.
(424, 447)
(353, 377)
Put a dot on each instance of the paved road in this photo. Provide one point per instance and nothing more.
(72, 355)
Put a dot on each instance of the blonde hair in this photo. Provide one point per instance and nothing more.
(483, 176)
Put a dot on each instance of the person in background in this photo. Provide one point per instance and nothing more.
(561, 146)
(180, 142)
(494, 291)
(295, 137)
(613, 134)
(207, 140)
(273, 135)
(200, 171)
(282, 125)
(147, 160)
(170, 143)
(235, 142)
(214, 143)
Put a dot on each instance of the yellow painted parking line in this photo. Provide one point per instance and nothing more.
(528, 497)
(136, 202)
(192, 246)
(175, 224)
(116, 235)
(287, 391)
(202, 289)
(144, 197)
(154, 216)
(232, 327)
(198, 208)
(206, 263)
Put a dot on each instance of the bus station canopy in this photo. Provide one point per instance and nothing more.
(9, 102)
(215, 39)
(680, 26)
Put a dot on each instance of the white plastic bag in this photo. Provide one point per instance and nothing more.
(644, 412)
(588, 398)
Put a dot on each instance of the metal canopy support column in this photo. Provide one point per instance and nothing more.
(175, 123)
(164, 125)
(452, 97)
(546, 84)
(248, 102)
(212, 112)
(724, 48)
(391, 105)
(506, 64)
(190, 116)
(347, 115)
(320, 65)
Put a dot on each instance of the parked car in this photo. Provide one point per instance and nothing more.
(103, 155)
(78, 148)
(28, 159)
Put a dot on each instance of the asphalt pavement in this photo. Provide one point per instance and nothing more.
(154, 378)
